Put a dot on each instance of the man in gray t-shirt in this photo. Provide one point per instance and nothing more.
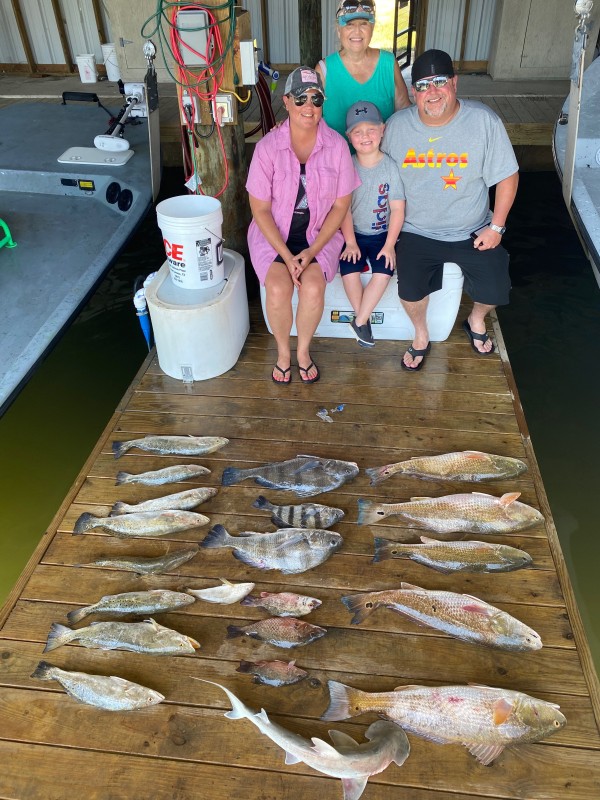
(449, 154)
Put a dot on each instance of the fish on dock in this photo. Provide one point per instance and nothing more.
(273, 673)
(144, 523)
(283, 604)
(306, 515)
(346, 759)
(146, 566)
(467, 465)
(448, 557)
(291, 550)
(473, 512)
(172, 445)
(304, 475)
(179, 501)
(459, 615)
(110, 693)
(158, 477)
(279, 631)
(484, 719)
(225, 595)
(148, 602)
(138, 637)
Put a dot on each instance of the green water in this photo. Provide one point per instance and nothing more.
(551, 329)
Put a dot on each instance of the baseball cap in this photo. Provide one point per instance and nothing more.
(302, 79)
(431, 62)
(362, 112)
(353, 9)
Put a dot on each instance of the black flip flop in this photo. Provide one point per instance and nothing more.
(307, 370)
(481, 337)
(414, 353)
(283, 372)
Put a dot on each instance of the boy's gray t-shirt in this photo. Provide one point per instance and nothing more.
(447, 170)
(370, 201)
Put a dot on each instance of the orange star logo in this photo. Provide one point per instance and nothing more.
(451, 180)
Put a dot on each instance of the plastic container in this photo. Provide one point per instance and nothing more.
(199, 333)
(86, 65)
(109, 54)
(389, 320)
(191, 229)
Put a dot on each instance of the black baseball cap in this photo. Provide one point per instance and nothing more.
(431, 62)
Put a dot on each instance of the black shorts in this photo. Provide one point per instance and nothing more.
(420, 268)
(295, 244)
(369, 246)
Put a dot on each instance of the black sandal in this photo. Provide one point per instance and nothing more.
(481, 337)
(284, 372)
(415, 353)
(307, 370)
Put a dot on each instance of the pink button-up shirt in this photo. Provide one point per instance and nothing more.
(274, 176)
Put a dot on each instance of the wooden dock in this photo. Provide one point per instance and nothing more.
(52, 748)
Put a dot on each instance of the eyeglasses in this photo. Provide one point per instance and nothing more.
(437, 81)
(351, 8)
(316, 99)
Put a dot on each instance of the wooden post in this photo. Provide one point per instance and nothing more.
(24, 37)
(62, 35)
(311, 42)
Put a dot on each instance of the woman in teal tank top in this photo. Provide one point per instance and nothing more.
(359, 72)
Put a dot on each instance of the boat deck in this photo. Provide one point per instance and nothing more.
(184, 747)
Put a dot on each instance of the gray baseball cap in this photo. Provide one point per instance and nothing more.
(362, 112)
(301, 80)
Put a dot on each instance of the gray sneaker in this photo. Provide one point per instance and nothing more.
(363, 333)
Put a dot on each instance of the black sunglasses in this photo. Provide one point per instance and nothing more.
(352, 8)
(316, 99)
(438, 81)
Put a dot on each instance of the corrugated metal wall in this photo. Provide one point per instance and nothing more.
(445, 24)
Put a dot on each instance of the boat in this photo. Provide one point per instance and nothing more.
(69, 219)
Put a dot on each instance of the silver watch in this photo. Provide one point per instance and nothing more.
(499, 229)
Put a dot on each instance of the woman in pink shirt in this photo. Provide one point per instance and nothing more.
(300, 182)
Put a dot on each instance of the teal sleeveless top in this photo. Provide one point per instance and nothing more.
(341, 90)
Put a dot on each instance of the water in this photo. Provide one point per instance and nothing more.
(551, 330)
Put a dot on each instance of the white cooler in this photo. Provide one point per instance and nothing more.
(199, 333)
(389, 320)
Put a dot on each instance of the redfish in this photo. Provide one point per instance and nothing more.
(468, 465)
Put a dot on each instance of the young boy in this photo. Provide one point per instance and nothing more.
(373, 223)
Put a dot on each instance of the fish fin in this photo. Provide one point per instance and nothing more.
(250, 600)
(42, 671)
(473, 453)
(420, 498)
(245, 534)
(216, 537)
(263, 716)
(502, 711)
(509, 498)
(297, 537)
(262, 502)
(233, 475)
(369, 512)
(407, 686)
(233, 631)
(484, 753)
(84, 523)
(290, 758)
(384, 548)
(234, 714)
(378, 474)
(78, 614)
(247, 559)
(353, 788)
(478, 608)
(245, 666)
(404, 585)
(428, 540)
(340, 702)
(482, 494)
(59, 635)
(119, 508)
(225, 582)
(122, 477)
(119, 448)
(323, 748)
(341, 739)
(361, 605)
(153, 623)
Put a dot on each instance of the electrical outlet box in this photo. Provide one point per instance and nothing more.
(225, 101)
(249, 59)
(192, 26)
(190, 101)
(137, 90)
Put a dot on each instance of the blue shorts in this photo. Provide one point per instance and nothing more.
(369, 246)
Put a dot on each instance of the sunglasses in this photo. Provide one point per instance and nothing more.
(437, 81)
(352, 8)
(316, 99)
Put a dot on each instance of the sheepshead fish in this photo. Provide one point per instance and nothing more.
(471, 513)
(180, 501)
(307, 515)
(150, 602)
(273, 673)
(172, 445)
(290, 550)
(283, 604)
(138, 637)
(144, 523)
(111, 693)
(288, 632)
(459, 615)
(484, 719)
(469, 465)
(146, 566)
(158, 477)
(450, 557)
(304, 475)
(352, 762)
(226, 594)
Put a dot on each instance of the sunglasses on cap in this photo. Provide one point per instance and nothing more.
(437, 81)
(316, 99)
(352, 7)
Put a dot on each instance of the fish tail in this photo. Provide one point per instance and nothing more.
(245, 666)
(123, 477)
(262, 502)
(216, 537)
(361, 605)
(232, 475)
(385, 549)
(368, 512)
(342, 702)
(233, 631)
(59, 635)
(119, 508)
(119, 448)
(378, 474)
(250, 600)
(78, 614)
(84, 523)
(43, 670)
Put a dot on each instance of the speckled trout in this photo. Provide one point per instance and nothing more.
(172, 445)
(450, 557)
(468, 465)
(143, 523)
(146, 566)
(484, 719)
(111, 693)
(158, 477)
(304, 475)
(150, 602)
(459, 615)
(179, 501)
(471, 513)
(138, 637)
